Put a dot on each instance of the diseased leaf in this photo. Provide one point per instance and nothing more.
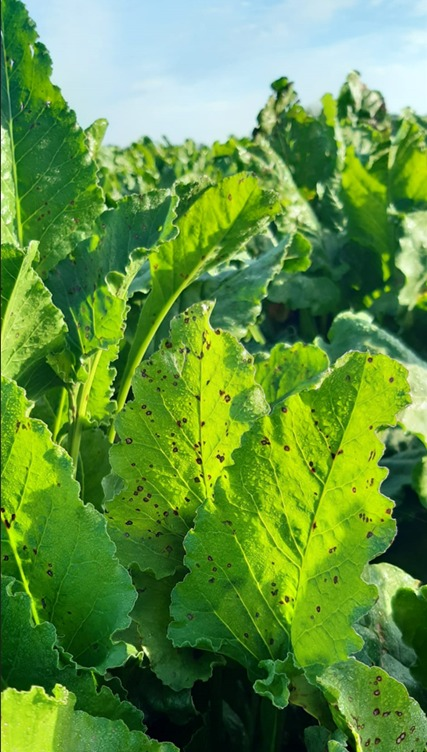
(358, 331)
(194, 399)
(49, 177)
(216, 226)
(276, 558)
(290, 369)
(31, 325)
(375, 708)
(35, 722)
(73, 579)
(410, 615)
(29, 657)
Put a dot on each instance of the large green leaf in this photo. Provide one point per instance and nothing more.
(374, 708)
(365, 201)
(51, 190)
(29, 657)
(276, 558)
(193, 401)
(384, 646)
(36, 722)
(410, 615)
(245, 285)
(31, 325)
(178, 668)
(408, 165)
(55, 546)
(91, 289)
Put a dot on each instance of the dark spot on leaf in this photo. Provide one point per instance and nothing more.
(196, 480)
(376, 711)
(353, 489)
(369, 534)
(376, 692)
(377, 740)
(314, 525)
(129, 441)
(168, 345)
(265, 441)
(391, 379)
(370, 360)
(129, 522)
(335, 580)
(318, 609)
(49, 573)
(286, 448)
(211, 580)
(401, 737)
(228, 565)
(284, 409)
(332, 550)
(190, 617)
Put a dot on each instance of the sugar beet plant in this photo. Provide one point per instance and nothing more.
(212, 389)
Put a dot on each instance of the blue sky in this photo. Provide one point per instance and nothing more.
(202, 68)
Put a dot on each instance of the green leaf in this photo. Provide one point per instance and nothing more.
(175, 667)
(31, 325)
(319, 293)
(408, 165)
(410, 615)
(35, 722)
(365, 201)
(375, 708)
(8, 209)
(93, 466)
(50, 539)
(276, 558)
(94, 136)
(412, 259)
(320, 739)
(29, 657)
(290, 369)
(383, 640)
(357, 331)
(52, 194)
(246, 285)
(193, 401)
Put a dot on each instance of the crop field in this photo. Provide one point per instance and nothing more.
(214, 427)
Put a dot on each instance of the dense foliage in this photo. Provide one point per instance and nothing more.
(214, 419)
